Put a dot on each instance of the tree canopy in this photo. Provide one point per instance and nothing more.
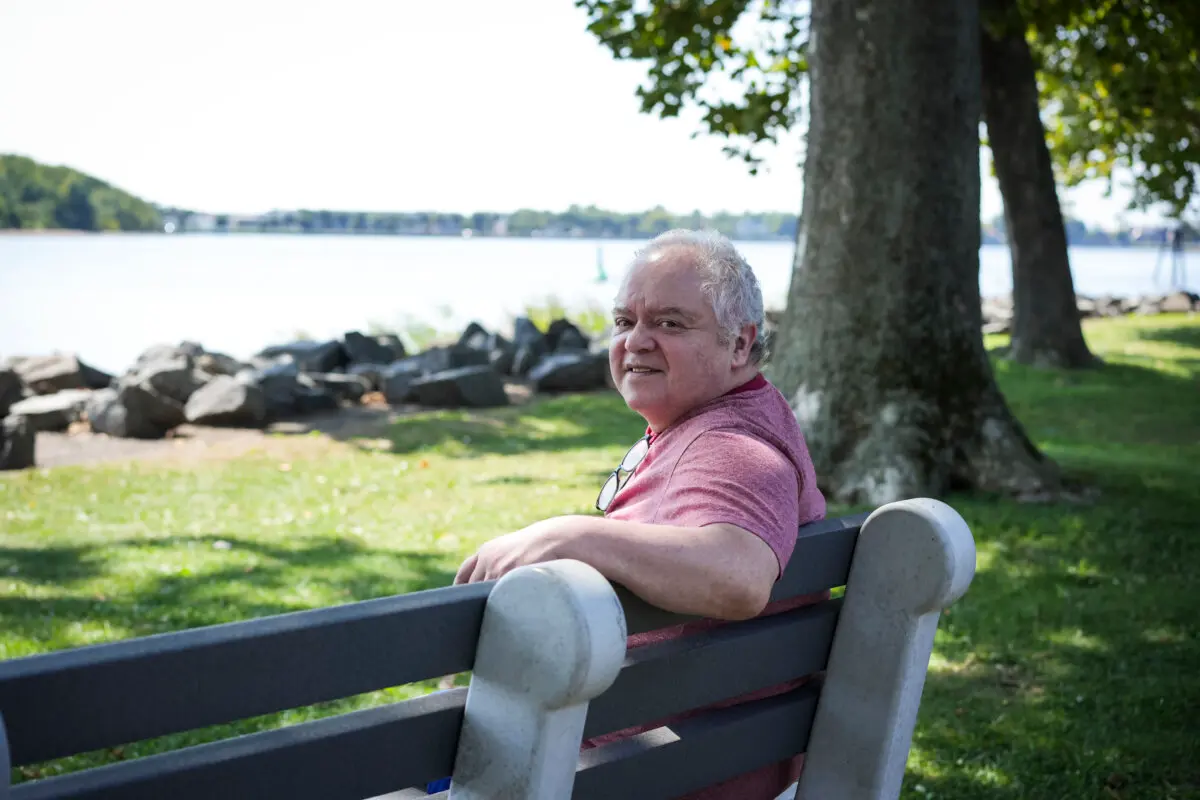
(39, 196)
(1117, 79)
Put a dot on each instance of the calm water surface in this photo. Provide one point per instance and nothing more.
(110, 297)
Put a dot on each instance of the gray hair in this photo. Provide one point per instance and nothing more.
(726, 280)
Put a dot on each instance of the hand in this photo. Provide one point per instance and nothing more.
(535, 544)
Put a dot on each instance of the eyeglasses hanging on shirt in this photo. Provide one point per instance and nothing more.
(628, 464)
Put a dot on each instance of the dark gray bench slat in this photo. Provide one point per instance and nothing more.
(665, 678)
(820, 561)
(349, 757)
(699, 752)
(78, 700)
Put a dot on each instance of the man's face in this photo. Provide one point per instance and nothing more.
(666, 355)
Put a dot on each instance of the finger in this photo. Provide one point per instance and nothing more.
(465, 569)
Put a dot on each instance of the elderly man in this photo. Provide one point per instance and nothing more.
(701, 515)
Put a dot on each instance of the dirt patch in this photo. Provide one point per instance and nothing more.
(365, 425)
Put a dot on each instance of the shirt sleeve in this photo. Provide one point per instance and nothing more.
(731, 477)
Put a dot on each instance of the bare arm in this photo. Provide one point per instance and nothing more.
(719, 571)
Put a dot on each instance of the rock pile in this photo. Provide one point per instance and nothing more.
(998, 311)
(169, 385)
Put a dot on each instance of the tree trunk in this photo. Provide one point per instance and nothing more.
(1045, 325)
(880, 349)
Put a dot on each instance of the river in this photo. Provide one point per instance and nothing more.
(108, 297)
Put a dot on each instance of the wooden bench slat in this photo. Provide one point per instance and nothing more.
(348, 757)
(700, 751)
(78, 700)
(665, 678)
(821, 561)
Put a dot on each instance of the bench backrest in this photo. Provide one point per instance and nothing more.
(556, 633)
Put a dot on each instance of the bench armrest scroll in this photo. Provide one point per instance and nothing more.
(553, 637)
(913, 558)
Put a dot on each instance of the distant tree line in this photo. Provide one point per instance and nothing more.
(41, 197)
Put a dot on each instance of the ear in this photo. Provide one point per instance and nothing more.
(742, 344)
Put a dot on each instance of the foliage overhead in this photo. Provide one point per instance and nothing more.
(1122, 85)
(37, 196)
(739, 61)
(1118, 79)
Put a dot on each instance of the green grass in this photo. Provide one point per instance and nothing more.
(1070, 669)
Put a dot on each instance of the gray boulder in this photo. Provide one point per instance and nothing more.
(474, 387)
(570, 371)
(126, 413)
(397, 380)
(371, 373)
(347, 388)
(280, 386)
(474, 337)
(310, 356)
(1180, 303)
(565, 335)
(227, 401)
(172, 376)
(18, 442)
(362, 349)
(529, 345)
(54, 373)
(11, 390)
(52, 412)
(218, 364)
(312, 397)
(441, 359)
(500, 354)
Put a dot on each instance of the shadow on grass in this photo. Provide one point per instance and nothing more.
(251, 579)
(1184, 335)
(555, 424)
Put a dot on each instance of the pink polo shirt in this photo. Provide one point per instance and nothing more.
(739, 459)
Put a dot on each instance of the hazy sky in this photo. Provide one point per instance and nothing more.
(402, 105)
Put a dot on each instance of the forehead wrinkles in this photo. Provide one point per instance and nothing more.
(666, 282)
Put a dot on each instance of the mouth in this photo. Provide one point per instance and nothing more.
(641, 370)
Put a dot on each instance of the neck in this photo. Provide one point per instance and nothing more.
(737, 379)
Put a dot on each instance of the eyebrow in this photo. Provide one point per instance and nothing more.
(668, 311)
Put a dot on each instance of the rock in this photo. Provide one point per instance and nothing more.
(474, 387)
(218, 364)
(393, 343)
(571, 371)
(397, 380)
(149, 408)
(474, 337)
(311, 397)
(52, 412)
(362, 349)
(1149, 306)
(108, 413)
(11, 390)
(529, 345)
(18, 442)
(349, 388)
(1180, 303)
(565, 335)
(1000, 326)
(172, 376)
(280, 386)
(227, 401)
(500, 354)
(49, 374)
(441, 359)
(371, 373)
(310, 356)
(1129, 304)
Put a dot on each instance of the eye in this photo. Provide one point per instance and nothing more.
(669, 324)
(621, 322)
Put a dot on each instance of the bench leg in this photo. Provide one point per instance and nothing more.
(553, 637)
(913, 558)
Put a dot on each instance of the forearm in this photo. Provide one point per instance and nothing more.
(717, 571)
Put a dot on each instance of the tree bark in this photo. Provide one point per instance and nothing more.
(880, 350)
(1045, 328)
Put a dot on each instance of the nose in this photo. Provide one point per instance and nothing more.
(640, 339)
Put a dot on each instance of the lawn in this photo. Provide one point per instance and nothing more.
(1068, 671)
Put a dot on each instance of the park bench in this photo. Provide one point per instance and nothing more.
(546, 648)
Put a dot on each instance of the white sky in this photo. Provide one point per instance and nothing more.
(451, 105)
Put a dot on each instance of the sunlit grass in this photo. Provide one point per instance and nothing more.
(1068, 670)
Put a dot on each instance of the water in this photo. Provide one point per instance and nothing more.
(110, 297)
